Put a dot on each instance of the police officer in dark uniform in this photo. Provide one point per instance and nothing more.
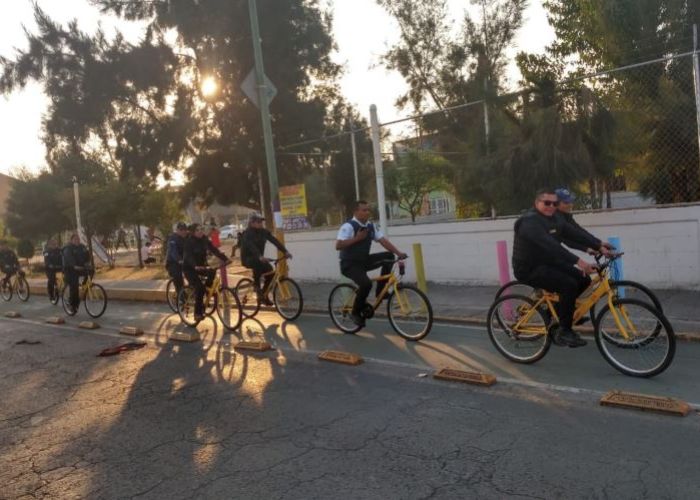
(174, 256)
(540, 260)
(53, 263)
(354, 242)
(252, 243)
(9, 263)
(76, 263)
(195, 250)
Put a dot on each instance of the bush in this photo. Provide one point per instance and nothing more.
(25, 249)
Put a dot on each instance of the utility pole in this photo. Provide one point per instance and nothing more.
(378, 167)
(354, 157)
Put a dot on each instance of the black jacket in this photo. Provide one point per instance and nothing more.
(195, 252)
(253, 245)
(176, 249)
(572, 244)
(75, 255)
(53, 259)
(8, 259)
(538, 240)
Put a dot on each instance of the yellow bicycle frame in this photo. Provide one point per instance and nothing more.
(391, 281)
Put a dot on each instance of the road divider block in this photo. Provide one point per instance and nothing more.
(346, 358)
(259, 345)
(12, 314)
(645, 402)
(134, 331)
(192, 336)
(474, 378)
(56, 320)
(88, 325)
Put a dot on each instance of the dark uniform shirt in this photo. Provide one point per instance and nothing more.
(75, 256)
(195, 252)
(175, 249)
(8, 259)
(253, 244)
(53, 259)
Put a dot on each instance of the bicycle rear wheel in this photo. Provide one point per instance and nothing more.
(171, 295)
(518, 329)
(635, 338)
(228, 308)
(56, 296)
(6, 290)
(410, 312)
(288, 299)
(65, 301)
(340, 303)
(23, 289)
(514, 287)
(95, 300)
(185, 306)
(248, 295)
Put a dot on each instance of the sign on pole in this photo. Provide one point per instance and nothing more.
(293, 207)
(249, 89)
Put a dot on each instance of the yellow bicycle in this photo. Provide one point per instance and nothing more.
(91, 294)
(286, 294)
(408, 308)
(632, 335)
(16, 283)
(217, 298)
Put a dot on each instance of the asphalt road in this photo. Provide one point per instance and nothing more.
(175, 420)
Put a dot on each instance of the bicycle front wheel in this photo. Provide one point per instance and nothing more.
(248, 295)
(410, 312)
(340, 303)
(65, 301)
(228, 308)
(518, 329)
(171, 295)
(22, 289)
(6, 290)
(288, 299)
(95, 300)
(185, 306)
(635, 338)
(56, 296)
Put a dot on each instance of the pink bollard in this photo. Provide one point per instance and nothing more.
(503, 270)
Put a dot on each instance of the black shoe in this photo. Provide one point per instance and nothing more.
(357, 319)
(568, 338)
(266, 302)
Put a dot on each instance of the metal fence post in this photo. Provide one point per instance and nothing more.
(354, 157)
(696, 80)
(378, 167)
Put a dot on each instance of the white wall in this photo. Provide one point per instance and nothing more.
(662, 247)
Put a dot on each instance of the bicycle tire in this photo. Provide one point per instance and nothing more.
(294, 310)
(23, 291)
(186, 306)
(226, 303)
(56, 295)
(65, 302)
(603, 342)
(248, 296)
(171, 295)
(528, 339)
(507, 289)
(425, 308)
(95, 296)
(340, 304)
(6, 290)
(211, 304)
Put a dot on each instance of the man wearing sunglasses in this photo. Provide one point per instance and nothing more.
(540, 260)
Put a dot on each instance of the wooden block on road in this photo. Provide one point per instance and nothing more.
(259, 345)
(12, 314)
(192, 336)
(131, 330)
(644, 402)
(88, 325)
(56, 320)
(474, 378)
(346, 358)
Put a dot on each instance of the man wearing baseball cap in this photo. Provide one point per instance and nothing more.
(252, 244)
(565, 208)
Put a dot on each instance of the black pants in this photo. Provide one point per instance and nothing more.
(72, 279)
(51, 282)
(200, 288)
(175, 272)
(357, 271)
(566, 281)
(259, 268)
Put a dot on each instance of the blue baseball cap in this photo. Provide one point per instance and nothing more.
(565, 195)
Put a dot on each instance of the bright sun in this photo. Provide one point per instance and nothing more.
(209, 86)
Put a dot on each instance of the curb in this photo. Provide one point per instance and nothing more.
(159, 296)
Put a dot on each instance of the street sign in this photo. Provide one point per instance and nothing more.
(249, 87)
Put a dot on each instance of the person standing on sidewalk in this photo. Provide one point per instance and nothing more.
(354, 242)
(76, 263)
(174, 256)
(53, 263)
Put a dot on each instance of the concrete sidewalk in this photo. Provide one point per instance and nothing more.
(450, 302)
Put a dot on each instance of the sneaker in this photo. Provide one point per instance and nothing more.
(266, 301)
(568, 338)
(357, 319)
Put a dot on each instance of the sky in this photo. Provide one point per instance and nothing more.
(363, 31)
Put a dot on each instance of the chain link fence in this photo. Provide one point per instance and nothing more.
(625, 138)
